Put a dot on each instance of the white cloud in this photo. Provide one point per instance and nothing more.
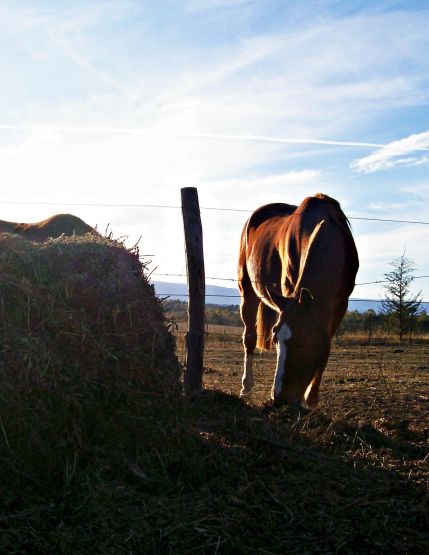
(195, 6)
(248, 193)
(419, 190)
(386, 209)
(388, 243)
(396, 154)
(21, 19)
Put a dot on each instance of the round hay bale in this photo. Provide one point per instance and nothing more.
(82, 307)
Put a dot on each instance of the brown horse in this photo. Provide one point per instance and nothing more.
(297, 269)
(60, 224)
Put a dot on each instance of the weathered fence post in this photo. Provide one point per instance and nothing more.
(193, 378)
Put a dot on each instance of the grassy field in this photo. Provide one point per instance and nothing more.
(357, 376)
(363, 453)
(109, 467)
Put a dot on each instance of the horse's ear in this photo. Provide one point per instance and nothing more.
(305, 298)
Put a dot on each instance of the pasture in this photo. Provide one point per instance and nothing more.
(374, 381)
(108, 466)
(355, 471)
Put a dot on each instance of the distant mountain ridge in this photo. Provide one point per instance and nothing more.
(226, 296)
(214, 293)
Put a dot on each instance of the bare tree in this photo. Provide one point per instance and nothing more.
(399, 305)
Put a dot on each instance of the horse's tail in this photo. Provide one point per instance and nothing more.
(266, 319)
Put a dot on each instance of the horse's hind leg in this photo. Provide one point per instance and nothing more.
(249, 311)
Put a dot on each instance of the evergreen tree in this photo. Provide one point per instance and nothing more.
(399, 305)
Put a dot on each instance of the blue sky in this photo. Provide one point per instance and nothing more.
(251, 101)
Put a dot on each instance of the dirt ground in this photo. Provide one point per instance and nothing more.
(359, 381)
(366, 445)
(374, 400)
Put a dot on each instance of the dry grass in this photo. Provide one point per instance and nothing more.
(362, 456)
(75, 299)
(120, 469)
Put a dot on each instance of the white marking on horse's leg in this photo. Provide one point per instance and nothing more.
(247, 381)
(307, 392)
(312, 392)
(283, 335)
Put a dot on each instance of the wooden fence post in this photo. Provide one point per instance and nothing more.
(193, 378)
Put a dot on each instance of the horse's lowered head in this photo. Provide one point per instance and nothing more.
(303, 346)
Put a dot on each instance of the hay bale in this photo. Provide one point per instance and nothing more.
(81, 307)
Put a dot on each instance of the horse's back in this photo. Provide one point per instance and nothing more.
(268, 212)
(260, 218)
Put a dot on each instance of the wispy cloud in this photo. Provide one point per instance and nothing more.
(249, 192)
(195, 6)
(216, 136)
(252, 102)
(20, 20)
(252, 87)
(396, 154)
(297, 177)
(419, 190)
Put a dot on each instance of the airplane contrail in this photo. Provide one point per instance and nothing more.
(215, 136)
(269, 139)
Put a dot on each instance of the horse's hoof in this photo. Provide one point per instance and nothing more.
(245, 393)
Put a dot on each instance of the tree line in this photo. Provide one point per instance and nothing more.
(401, 313)
(369, 322)
(177, 311)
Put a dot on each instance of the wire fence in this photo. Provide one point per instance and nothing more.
(227, 334)
(178, 294)
(176, 207)
(237, 296)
